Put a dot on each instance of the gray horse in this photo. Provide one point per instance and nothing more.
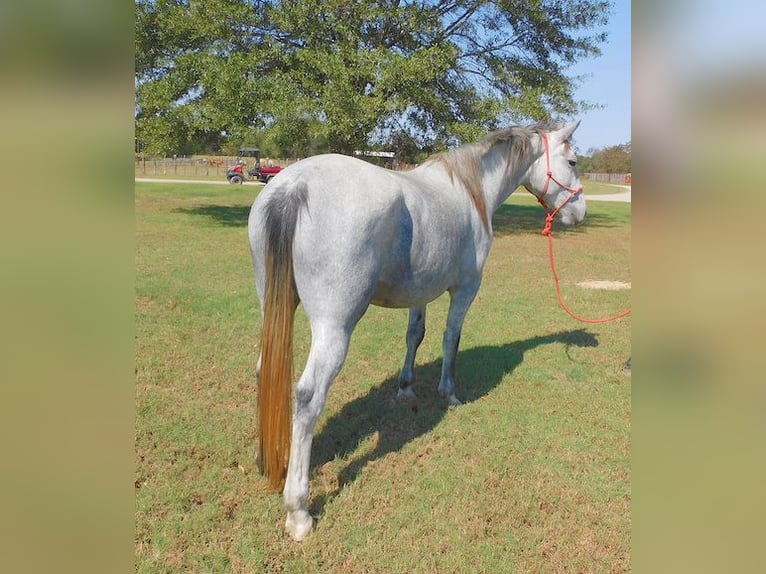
(338, 234)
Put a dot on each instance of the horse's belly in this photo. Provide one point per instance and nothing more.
(404, 296)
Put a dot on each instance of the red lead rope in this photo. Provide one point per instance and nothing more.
(561, 300)
(547, 231)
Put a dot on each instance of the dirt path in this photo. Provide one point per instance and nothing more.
(620, 196)
(165, 180)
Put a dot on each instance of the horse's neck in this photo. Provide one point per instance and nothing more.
(498, 182)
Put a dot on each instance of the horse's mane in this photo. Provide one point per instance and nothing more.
(464, 163)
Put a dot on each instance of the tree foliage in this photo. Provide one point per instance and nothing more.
(343, 74)
(613, 159)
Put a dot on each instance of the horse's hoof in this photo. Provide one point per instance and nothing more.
(449, 395)
(405, 394)
(298, 524)
(453, 401)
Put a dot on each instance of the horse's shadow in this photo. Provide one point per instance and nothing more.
(479, 371)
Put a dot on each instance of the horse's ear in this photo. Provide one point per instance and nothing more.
(566, 132)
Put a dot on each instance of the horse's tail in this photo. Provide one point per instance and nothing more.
(280, 301)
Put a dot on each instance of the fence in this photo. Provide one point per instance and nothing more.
(213, 166)
(608, 177)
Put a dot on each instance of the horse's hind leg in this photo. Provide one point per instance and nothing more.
(416, 330)
(329, 346)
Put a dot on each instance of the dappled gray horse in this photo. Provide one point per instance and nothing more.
(337, 234)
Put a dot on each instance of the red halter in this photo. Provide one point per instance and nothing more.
(547, 231)
(572, 191)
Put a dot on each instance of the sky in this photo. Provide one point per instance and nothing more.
(607, 83)
(732, 33)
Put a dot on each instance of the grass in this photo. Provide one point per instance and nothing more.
(531, 474)
(593, 187)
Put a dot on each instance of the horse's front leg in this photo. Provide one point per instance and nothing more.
(460, 301)
(416, 330)
(329, 346)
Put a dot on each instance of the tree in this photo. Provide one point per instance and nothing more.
(613, 159)
(356, 72)
(196, 72)
(406, 148)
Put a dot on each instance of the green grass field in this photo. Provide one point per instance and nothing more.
(530, 474)
(592, 187)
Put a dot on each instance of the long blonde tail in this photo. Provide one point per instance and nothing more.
(280, 301)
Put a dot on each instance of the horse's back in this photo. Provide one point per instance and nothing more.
(348, 228)
(346, 199)
(342, 196)
(363, 232)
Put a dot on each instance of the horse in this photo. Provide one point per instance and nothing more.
(338, 234)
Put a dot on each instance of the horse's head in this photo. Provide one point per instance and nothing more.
(553, 177)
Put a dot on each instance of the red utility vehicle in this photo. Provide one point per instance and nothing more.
(239, 172)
